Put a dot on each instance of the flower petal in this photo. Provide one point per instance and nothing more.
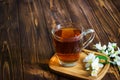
(94, 73)
(87, 65)
(118, 63)
(89, 58)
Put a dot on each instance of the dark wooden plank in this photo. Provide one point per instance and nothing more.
(35, 39)
(116, 4)
(107, 20)
(10, 51)
(34, 32)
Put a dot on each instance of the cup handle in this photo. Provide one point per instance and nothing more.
(88, 31)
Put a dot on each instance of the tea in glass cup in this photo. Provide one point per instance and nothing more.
(68, 43)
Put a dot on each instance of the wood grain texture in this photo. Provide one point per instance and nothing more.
(26, 40)
(10, 52)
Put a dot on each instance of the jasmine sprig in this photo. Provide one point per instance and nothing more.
(93, 62)
(111, 50)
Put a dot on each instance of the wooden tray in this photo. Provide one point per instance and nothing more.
(78, 71)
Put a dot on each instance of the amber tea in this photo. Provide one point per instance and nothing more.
(68, 42)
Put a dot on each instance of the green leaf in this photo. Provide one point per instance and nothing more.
(102, 59)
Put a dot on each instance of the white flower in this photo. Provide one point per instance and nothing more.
(99, 47)
(92, 63)
(118, 51)
(112, 55)
(104, 47)
(112, 44)
(89, 58)
(95, 67)
(95, 64)
(117, 60)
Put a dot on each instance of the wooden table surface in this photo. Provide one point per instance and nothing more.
(26, 40)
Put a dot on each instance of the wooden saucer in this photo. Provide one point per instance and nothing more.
(78, 71)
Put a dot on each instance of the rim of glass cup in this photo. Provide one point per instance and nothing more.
(71, 25)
